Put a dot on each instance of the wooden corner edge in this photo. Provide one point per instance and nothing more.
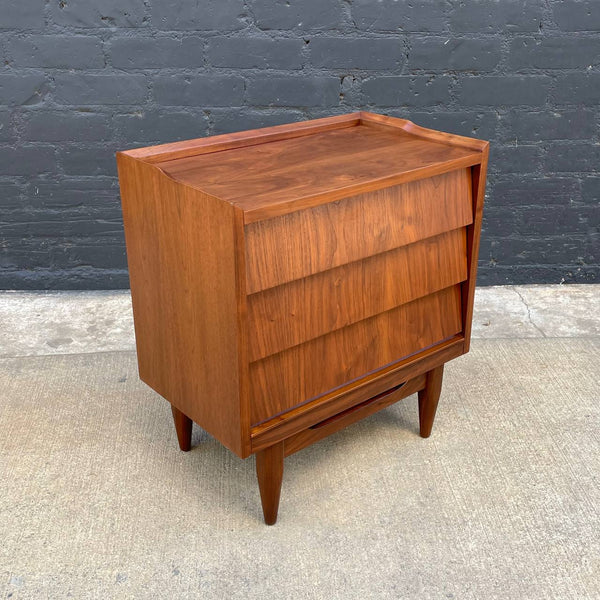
(226, 141)
(450, 139)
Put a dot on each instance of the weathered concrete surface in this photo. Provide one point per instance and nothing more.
(537, 311)
(501, 503)
(75, 322)
(65, 322)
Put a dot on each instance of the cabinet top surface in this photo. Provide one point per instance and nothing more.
(273, 171)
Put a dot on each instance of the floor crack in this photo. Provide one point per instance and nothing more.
(536, 327)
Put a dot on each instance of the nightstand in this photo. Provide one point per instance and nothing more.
(289, 281)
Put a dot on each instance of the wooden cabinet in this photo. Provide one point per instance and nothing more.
(289, 281)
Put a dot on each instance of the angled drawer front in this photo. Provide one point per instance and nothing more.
(304, 372)
(301, 310)
(302, 243)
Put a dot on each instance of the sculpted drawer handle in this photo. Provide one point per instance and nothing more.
(357, 406)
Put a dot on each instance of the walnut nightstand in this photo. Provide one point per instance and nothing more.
(289, 281)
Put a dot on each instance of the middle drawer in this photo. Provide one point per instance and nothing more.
(299, 311)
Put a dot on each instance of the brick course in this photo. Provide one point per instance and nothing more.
(79, 80)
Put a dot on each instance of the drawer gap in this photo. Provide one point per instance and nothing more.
(348, 417)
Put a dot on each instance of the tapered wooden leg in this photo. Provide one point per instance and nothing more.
(428, 400)
(183, 426)
(269, 470)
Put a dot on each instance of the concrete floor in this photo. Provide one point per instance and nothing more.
(501, 502)
(38, 323)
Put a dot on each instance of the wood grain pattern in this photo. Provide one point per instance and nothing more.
(352, 415)
(226, 174)
(302, 417)
(291, 174)
(290, 314)
(428, 400)
(280, 382)
(310, 241)
(183, 428)
(180, 249)
(285, 281)
(242, 139)
(269, 471)
(450, 139)
(242, 341)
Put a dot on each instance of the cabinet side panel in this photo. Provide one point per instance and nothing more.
(181, 255)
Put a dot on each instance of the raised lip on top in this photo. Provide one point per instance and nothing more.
(240, 139)
(196, 147)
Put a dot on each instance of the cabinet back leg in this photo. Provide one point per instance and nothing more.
(183, 426)
(269, 471)
(428, 400)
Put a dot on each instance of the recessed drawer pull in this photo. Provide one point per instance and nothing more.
(357, 407)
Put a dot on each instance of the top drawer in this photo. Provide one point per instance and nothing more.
(305, 242)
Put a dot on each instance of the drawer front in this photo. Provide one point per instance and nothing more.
(299, 311)
(283, 381)
(310, 241)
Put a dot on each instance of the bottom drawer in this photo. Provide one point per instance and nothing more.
(300, 374)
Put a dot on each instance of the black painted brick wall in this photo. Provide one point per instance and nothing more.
(80, 79)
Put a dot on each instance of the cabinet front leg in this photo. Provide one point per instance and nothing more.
(428, 400)
(183, 426)
(269, 470)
